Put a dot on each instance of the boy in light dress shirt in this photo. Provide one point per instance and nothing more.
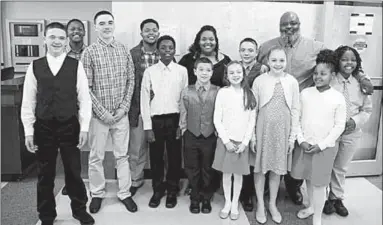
(56, 111)
(160, 107)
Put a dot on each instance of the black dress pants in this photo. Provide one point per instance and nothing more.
(198, 159)
(50, 135)
(165, 129)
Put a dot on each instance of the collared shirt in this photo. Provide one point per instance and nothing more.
(206, 89)
(28, 105)
(301, 58)
(361, 104)
(110, 72)
(166, 84)
(231, 120)
(322, 117)
(75, 54)
(252, 71)
(248, 67)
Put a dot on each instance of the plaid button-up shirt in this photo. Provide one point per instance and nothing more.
(74, 54)
(110, 72)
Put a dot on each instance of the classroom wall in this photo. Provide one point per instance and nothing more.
(53, 9)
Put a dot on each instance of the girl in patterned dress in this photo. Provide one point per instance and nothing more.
(277, 95)
(234, 120)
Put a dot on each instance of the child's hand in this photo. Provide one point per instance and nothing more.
(366, 86)
(313, 149)
(178, 133)
(305, 146)
(241, 147)
(291, 147)
(150, 136)
(230, 146)
(264, 69)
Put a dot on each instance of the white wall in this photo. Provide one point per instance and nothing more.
(233, 21)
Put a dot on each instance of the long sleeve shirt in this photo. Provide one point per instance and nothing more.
(263, 88)
(161, 90)
(231, 120)
(28, 105)
(361, 104)
(110, 72)
(322, 117)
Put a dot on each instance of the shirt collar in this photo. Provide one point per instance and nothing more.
(69, 49)
(59, 58)
(145, 52)
(251, 65)
(341, 79)
(164, 67)
(206, 86)
(103, 43)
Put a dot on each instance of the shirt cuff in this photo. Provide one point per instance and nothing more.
(300, 140)
(29, 131)
(322, 146)
(147, 125)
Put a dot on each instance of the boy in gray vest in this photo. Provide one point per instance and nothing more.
(56, 111)
(196, 125)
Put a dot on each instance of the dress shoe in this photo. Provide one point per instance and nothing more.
(95, 205)
(129, 204)
(247, 203)
(340, 209)
(206, 206)
(171, 200)
(47, 222)
(134, 189)
(155, 200)
(305, 213)
(234, 216)
(64, 191)
(84, 217)
(329, 208)
(261, 218)
(223, 214)
(275, 215)
(296, 196)
(194, 207)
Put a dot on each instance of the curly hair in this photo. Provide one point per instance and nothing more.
(196, 49)
(339, 53)
(329, 58)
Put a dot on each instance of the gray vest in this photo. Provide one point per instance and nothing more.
(200, 114)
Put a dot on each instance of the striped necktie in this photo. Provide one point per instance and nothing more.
(347, 98)
(201, 91)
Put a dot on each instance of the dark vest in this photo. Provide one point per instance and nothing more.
(200, 114)
(56, 95)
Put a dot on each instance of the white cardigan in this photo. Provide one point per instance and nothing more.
(263, 88)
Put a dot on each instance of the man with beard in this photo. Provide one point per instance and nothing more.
(144, 55)
(76, 32)
(301, 55)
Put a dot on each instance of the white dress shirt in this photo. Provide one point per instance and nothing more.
(323, 117)
(30, 90)
(167, 83)
(361, 104)
(231, 120)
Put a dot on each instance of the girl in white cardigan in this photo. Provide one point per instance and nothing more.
(277, 96)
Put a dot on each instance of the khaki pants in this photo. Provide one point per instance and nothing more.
(348, 144)
(98, 135)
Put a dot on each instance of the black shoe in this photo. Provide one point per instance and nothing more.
(156, 199)
(247, 203)
(296, 196)
(206, 206)
(340, 209)
(95, 205)
(194, 207)
(64, 191)
(84, 217)
(171, 200)
(329, 208)
(133, 189)
(47, 222)
(129, 204)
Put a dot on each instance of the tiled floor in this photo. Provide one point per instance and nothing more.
(363, 199)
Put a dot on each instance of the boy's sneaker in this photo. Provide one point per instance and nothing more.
(84, 217)
(329, 208)
(340, 209)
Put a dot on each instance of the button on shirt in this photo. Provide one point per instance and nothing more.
(166, 84)
(361, 104)
(30, 90)
(110, 72)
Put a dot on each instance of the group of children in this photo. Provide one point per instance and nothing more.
(272, 127)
